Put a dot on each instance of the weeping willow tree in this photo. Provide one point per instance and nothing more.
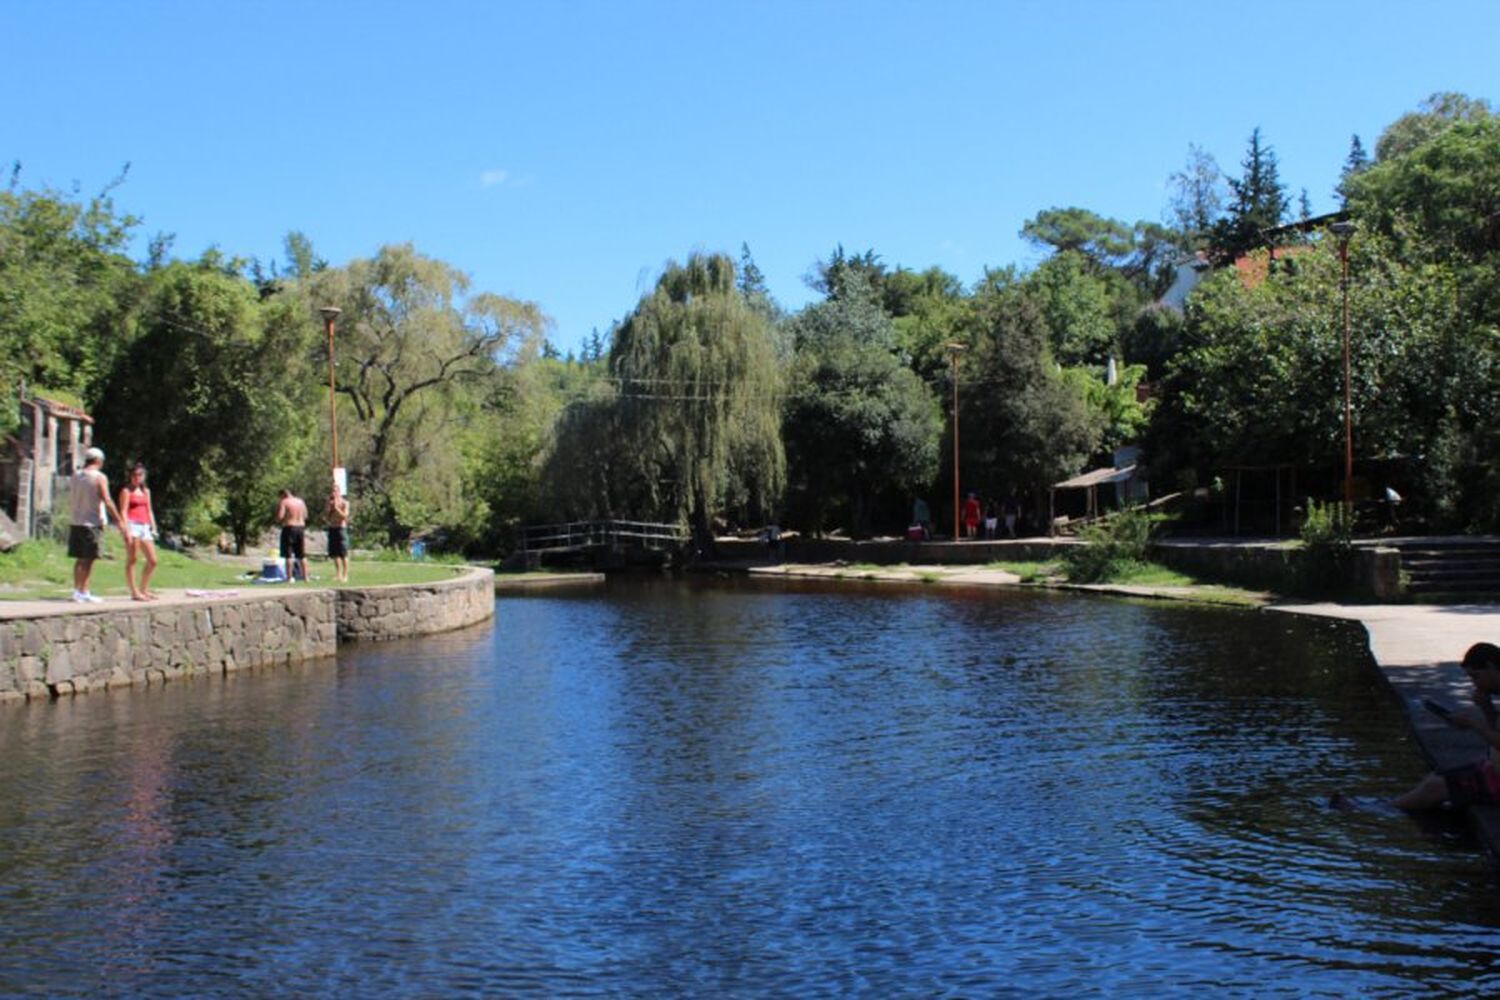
(697, 416)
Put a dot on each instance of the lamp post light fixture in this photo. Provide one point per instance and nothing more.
(1343, 230)
(331, 313)
(954, 350)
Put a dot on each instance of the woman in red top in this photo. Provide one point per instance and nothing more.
(140, 528)
(971, 515)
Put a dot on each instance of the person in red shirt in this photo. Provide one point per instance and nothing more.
(972, 515)
(140, 533)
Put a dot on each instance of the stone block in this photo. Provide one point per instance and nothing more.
(33, 638)
(59, 664)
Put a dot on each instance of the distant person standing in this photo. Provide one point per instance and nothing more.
(971, 516)
(90, 497)
(291, 514)
(140, 532)
(1012, 512)
(921, 517)
(991, 520)
(338, 534)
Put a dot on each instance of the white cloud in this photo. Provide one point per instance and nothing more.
(492, 177)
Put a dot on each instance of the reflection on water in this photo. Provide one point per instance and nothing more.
(687, 790)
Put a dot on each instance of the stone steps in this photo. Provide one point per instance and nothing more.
(1457, 567)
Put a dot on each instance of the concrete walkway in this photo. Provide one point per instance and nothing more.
(53, 607)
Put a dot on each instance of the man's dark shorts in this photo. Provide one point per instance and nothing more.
(338, 543)
(292, 542)
(1473, 784)
(85, 541)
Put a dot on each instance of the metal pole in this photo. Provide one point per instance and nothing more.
(1343, 230)
(330, 313)
(1348, 391)
(954, 350)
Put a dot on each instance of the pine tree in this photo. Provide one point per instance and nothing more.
(1259, 202)
(1355, 163)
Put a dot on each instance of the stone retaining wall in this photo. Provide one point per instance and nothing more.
(1276, 565)
(415, 609)
(93, 648)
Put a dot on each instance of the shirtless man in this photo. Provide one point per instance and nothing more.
(291, 514)
(338, 533)
(90, 498)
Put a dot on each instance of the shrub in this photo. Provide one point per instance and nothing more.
(1112, 547)
(1327, 549)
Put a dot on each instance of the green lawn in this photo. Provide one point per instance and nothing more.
(42, 569)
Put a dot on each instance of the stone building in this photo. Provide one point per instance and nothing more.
(37, 460)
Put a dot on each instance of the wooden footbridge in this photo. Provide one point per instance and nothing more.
(605, 544)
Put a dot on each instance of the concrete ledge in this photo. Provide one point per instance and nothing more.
(525, 583)
(1277, 565)
(71, 649)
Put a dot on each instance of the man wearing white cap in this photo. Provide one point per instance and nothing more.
(86, 535)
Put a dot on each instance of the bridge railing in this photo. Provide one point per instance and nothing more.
(591, 534)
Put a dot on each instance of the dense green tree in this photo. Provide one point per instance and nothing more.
(1433, 116)
(66, 294)
(1258, 202)
(696, 425)
(860, 425)
(1083, 308)
(414, 351)
(1024, 425)
(1141, 252)
(929, 310)
(1260, 381)
(1439, 199)
(841, 272)
(212, 395)
(506, 454)
(1153, 339)
(1116, 407)
(1106, 242)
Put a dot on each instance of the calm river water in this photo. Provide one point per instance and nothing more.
(668, 789)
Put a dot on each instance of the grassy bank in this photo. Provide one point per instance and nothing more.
(1136, 574)
(42, 570)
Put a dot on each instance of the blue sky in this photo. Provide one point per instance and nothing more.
(564, 152)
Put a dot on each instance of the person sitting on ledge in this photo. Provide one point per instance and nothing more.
(1477, 782)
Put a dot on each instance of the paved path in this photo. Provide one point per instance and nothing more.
(52, 607)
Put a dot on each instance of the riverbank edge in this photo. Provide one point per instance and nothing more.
(520, 584)
(70, 649)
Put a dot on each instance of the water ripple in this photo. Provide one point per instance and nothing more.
(672, 790)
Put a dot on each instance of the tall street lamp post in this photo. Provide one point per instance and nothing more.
(1344, 230)
(954, 350)
(331, 313)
